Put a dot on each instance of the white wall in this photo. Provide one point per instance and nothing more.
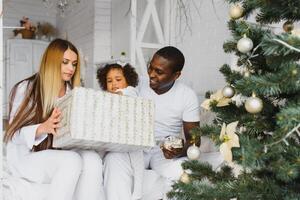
(89, 28)
(78, 27)
(1, 95)
(202, 46)
(102, 35)
(120, 30)
(14, 10)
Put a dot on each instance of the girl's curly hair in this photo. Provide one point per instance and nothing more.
(129, 73)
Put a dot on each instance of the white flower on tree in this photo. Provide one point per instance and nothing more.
(230, 139)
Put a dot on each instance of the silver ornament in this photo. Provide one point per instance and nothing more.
(245, 45)
(254, 105)
(228, 91)
(193, 152)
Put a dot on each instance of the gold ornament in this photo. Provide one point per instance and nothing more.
(247, 74)
(236, 11)
(185, 178)
(294, 72)
(288, 26)
(193, 152)
(230, 139)
(218, 96)
(296, 32)
(245, 44)
(254, 104)
(228, 91)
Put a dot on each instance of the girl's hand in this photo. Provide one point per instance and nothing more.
(50, 125)
(119, 92)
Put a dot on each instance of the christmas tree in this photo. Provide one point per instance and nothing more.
(257, 124)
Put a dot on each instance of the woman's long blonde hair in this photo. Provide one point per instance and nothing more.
(42, 90)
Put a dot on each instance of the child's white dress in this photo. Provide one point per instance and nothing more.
(136, 157)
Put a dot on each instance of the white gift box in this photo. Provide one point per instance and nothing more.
(103, 121)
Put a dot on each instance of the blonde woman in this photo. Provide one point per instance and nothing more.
(33, 122)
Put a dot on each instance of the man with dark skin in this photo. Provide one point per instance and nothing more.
(162, 78)
(176, 109)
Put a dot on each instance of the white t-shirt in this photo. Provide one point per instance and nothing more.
(178, 104)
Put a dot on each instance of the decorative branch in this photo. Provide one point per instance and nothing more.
(284, 139)
(287, 45)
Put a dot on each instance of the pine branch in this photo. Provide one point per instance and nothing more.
(269, 152)
(255, 33)
(271, 46)
(230, 76)
(270, 11)
(248, 187)
(285, 80)
(288, 117)
(211, 131)
(256, 124)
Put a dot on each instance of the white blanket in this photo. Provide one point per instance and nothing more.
(20, 189)
(15, 188)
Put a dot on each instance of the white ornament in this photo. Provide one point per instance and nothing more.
(245, 45)
(193, 152)
(247, 74)
(236, 11)
(185, 178)
(254, 105)
(228, 91)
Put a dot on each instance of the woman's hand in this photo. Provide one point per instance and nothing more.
(50, 125)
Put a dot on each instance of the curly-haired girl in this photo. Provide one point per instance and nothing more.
(119, 79)
(116, 78)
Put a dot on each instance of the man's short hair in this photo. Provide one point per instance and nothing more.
(174, 55)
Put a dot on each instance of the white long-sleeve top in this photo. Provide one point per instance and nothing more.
(25, 138)
(129, 91)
